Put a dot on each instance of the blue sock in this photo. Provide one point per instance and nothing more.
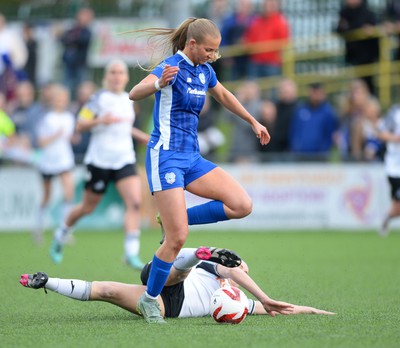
(206, 213)
(158, 276)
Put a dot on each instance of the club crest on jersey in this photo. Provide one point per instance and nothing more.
(170, 177)
(202, 78)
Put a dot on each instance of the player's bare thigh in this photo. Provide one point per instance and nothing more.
(122, 295)
(219, 185)
(129, 189)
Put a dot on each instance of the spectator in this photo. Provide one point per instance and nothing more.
(54, 137)
(24, 100)
(76, 43)
(373, 148)
(31, 45)
(279, 118)
(313, 127)
(350, 136)
(233, 28)
(7, 127)
(392, 16)
(37, 110)
(13, 55)
(354, 15)
(270, 31)
(80, 140)
(243, 147)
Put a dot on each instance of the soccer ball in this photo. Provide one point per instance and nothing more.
(229, 305)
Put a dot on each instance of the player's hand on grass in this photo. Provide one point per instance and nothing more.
(277, 307)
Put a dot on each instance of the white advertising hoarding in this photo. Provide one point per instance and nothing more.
(310, 196)
(291, 197)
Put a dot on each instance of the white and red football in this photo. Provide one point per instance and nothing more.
(229, 305)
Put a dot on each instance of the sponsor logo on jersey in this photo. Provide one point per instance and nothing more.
(196, 91)
(99, 185)
(170, 177)
(202, 78)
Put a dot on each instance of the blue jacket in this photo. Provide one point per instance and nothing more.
(312, 128)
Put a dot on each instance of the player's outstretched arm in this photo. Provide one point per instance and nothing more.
(260, 310)
(239, 276)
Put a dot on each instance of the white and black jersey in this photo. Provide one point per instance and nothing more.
(391, 124)
(191, 298)
(110, 146)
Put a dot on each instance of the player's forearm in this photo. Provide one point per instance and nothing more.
(143, 90)
(245, 281)
(230, 102)
(87, 125)
(140, 136)
(389, 137)
(43, 142)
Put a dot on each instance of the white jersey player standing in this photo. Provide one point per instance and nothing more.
(56, 158)
(109, 116)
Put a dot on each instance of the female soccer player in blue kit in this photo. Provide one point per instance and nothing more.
(173, 162)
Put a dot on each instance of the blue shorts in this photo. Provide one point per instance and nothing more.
(170, 169)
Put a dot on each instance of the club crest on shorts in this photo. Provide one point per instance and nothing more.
(202, 78)
(170, 177)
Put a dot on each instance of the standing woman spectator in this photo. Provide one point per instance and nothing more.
(173, 162)
(109, 116)
(54, 138)
(357, 112)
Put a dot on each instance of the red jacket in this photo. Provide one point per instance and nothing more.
(273, 27)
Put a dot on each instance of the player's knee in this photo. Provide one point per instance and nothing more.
(245, 208)
(177, 241)
(134, 206)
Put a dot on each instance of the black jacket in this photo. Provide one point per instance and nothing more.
(362, 51)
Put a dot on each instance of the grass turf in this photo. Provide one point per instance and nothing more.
(356, 275)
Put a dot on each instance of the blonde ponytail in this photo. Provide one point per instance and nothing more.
(168, 39)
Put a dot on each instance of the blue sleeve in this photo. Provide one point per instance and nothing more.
(159, 69)
(213, 77)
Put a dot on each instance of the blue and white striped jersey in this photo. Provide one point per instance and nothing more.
(177, 106)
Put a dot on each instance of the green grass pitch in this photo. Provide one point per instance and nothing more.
(356, 275)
